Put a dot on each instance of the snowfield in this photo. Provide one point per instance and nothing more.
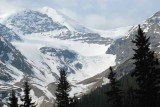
(92, 56)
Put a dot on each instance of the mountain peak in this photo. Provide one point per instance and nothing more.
(31, 21)
(46, 8)
(155, 18)
(157, 14)
(65, 20)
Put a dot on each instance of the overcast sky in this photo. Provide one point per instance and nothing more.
(99, 14)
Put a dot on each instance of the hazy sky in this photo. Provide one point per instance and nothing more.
(99, 14)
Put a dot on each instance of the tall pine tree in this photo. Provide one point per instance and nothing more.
(27, 99)
(63, 89)
(13, 100)
(114, 95)
(145, 71)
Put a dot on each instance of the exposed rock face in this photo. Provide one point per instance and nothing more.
(93, 38)
(5, 73)
(68, 59)
(8, 34)
(123, 47)
(52, 88)
(10, 55)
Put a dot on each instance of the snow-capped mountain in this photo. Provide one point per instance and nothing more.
(35, 44)
(54, 23)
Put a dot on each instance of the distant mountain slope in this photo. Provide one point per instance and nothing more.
(123, 46)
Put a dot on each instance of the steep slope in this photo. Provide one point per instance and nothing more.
(12, 62)
(8, 34)
(11, 56)
(123, 46)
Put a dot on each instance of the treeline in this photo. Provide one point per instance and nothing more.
(26, 100)
(140, 88)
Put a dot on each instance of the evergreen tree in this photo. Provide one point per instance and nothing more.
(114, 95)
(63, 89)
(13, 100)
(145, 71)
(27, 99)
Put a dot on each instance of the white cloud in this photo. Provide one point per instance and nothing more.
(101, 22)
(88, 6)
(8, 6)
(102, 4)
(95, 21)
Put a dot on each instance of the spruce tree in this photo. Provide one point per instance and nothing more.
(114, 95)
(27, 99)
(62, 91)
(13, 100)
(145, 71)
